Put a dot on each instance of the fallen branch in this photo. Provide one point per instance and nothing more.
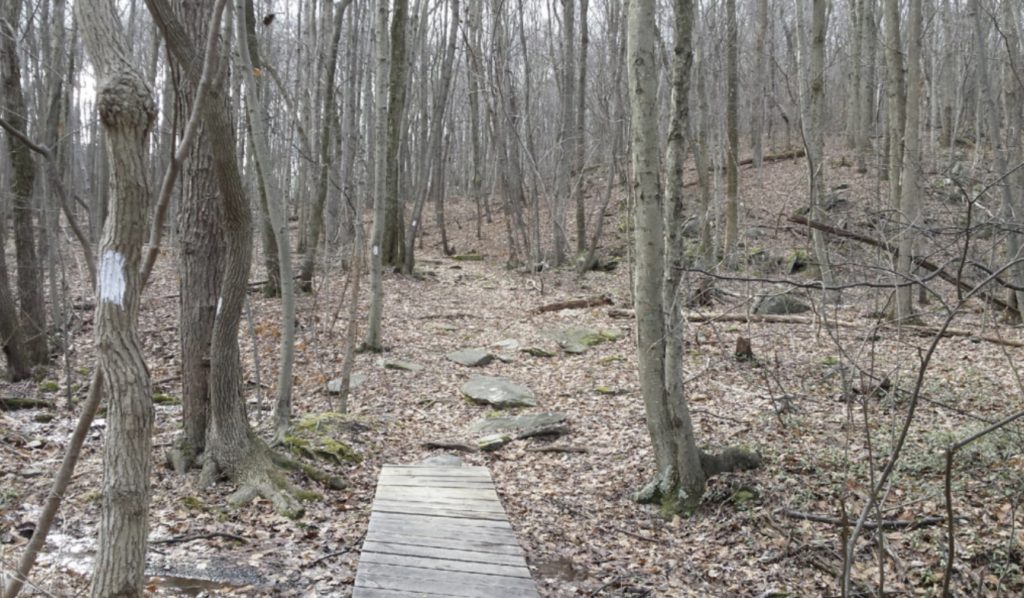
(783, 319)
(575, 304)
(193, 537)
(557, 448)
(918, 261)
(885, 523)
(13, 403)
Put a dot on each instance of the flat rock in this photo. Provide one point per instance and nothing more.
(523, 426)
(354, 382)
(538, 352)
(471, 357)
(493, 442)
(442, 461)
(498, 392)
(784, 304)
(508, 344)
(402, 366)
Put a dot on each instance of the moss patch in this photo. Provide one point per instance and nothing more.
(319, 437)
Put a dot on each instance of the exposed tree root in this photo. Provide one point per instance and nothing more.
(263, 473)
(666, 490)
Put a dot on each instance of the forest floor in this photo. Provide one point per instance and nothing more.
(805, 403)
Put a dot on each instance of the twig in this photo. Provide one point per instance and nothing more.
(884, 524)
(331, 555)
(193, 537)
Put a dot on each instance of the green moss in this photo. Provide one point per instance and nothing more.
(308, 495)
(193, 503)
(49, 386)
(42, 418)
(165, 399)
(468, 257)
(82, 371)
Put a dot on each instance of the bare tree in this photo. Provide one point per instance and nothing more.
(127, 112)
(30, 283)
(682, 469)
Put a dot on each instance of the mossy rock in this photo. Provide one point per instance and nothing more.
(468, 257)
(165, 399)
(318, 436)
(49, 386)
(193, 503)
(578, 340)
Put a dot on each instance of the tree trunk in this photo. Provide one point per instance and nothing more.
(392, 245)
(435, 143)
(910, 199)
(732, 133)
(232, 448)
(127, 111)
(758, 104)
(30, 283)
(566, 147)
(279, 220)
(201, 251)
(812, 90)
(316, 218)
(896, 99)
(581, 132)
(679, 481)
(18, 367)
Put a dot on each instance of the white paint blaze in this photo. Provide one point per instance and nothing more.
(112, 278)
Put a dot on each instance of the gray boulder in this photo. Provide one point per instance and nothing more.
(523, 426)
(471, 357)
(578, 340)
(498, 392)
(354, 382)
(778, 305)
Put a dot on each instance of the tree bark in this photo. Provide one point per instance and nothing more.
(30, 284)
(679, 480)
(812, 89)
(201, 251)
(127, 111)
(278, 219)
(731, 132)
(232, 448)
(316, 218)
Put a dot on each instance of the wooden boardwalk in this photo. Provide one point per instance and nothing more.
(440, 531)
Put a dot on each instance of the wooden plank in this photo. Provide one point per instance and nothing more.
(486, 494)
(451, 472)
(392, 577)
(431, 520)
(445, 564)
(451, 482)
(358, 592)
(482, 503)
(416, 509)
(481, 545)
(440, 531)
(495, 534)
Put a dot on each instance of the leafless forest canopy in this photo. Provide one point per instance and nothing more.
(748, 276)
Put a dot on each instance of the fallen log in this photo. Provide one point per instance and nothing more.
(918, 261)
(884, 524)
(782, 319)
(575, 304)
(12, 403)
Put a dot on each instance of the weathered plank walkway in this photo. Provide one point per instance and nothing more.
(440, 531)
